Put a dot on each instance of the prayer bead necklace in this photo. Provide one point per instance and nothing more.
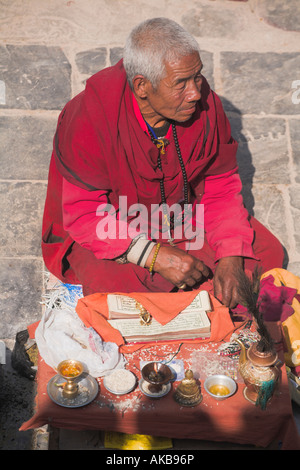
(160, 144)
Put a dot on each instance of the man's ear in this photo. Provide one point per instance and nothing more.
(140, 86)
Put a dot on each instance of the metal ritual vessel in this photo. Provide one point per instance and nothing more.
(156, 374)
(259, 372)
(70, 370)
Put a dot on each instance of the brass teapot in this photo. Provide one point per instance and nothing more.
(259, 373)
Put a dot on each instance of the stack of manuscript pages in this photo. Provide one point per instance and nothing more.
(191, 323)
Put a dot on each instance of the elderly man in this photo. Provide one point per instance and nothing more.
(146, 135)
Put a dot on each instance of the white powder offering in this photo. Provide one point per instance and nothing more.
(120, 381)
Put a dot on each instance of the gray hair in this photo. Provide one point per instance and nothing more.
(151, 44)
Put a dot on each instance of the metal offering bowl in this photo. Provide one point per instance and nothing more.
(157, 375)
(216, 386)
(70, 370)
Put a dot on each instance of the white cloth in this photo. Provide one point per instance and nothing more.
(62, 335)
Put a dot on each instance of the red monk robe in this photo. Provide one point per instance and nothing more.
(101, 150)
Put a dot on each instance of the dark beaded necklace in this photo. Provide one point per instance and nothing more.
(160, 144)
(185, 180)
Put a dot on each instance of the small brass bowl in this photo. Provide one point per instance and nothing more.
(70, 369)
(217, 386)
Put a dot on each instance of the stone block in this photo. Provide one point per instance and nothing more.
(269, 208)
(284, 15)
(91, 61)
(259, 83)
(35, 77)
(208, 67)
(263, 149)
(211, 21)
(21, 209)
(295, 144)
(25, 147)
(21, 282)
(294, 195)
(115, 54)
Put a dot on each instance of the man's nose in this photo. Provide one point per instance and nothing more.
(194, 91)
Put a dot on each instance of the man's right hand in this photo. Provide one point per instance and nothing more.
(178, 267)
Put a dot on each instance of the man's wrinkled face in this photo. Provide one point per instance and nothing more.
(176, 95)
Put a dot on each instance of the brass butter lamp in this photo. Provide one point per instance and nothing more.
(70, 370)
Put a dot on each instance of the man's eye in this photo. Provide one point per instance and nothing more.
(180, 86)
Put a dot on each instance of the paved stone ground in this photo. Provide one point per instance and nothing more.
(47, 51)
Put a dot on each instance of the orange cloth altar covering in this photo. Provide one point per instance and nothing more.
(232, 420)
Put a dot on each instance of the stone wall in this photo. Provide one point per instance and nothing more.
(47, 51)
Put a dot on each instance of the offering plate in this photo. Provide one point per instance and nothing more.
(88, 389)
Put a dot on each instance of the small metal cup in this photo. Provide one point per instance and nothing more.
(70, 389)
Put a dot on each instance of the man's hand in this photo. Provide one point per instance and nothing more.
(178, 267)
(225, 280)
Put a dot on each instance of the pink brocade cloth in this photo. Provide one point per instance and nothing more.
(275, 302)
